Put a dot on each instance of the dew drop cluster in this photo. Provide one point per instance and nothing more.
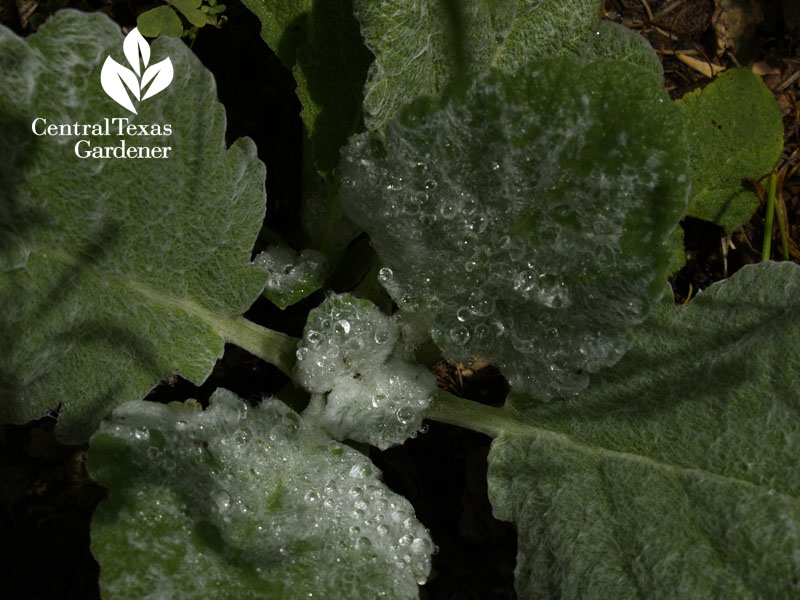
(291, 276)
(526, 222)
(307, 515)
(363, 388)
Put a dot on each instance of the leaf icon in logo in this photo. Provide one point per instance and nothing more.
(161, 73)
(115, 78)
(134, 46)
(112, 78)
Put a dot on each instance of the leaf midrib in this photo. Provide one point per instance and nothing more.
(272, 346)
(501, 423)
(148, 291)
(528, 430)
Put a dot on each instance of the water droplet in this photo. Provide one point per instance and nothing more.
(480, 304)
(499, 328)
(223, 500)
(354, 344)
(385, 275)
(405, 414)
(421, 546)
(459, 335)
(312, 497)
(342, 327)
(359, 472)
(448, 211)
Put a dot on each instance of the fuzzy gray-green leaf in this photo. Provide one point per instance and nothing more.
(321, 43)
(527, 222)
(330, 75)
(613, 41)
(362, 390)
(246, 503)
(421, 48)
(112, 270)
(675, 475)
(285, 25)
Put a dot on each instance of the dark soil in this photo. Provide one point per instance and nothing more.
(47, 495)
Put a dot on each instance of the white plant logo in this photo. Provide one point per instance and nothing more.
(115, 78)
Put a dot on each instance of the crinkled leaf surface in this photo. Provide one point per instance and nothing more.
(112, 270)
(363, 390)
(344, 337)
(541, 28)
(527, 221)
(330, 75)
(616, 42)
(675, 475)
(321, 42)
(421, 47)
(384, 407)
(734, 131)
(285, 25)
(235, 502)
